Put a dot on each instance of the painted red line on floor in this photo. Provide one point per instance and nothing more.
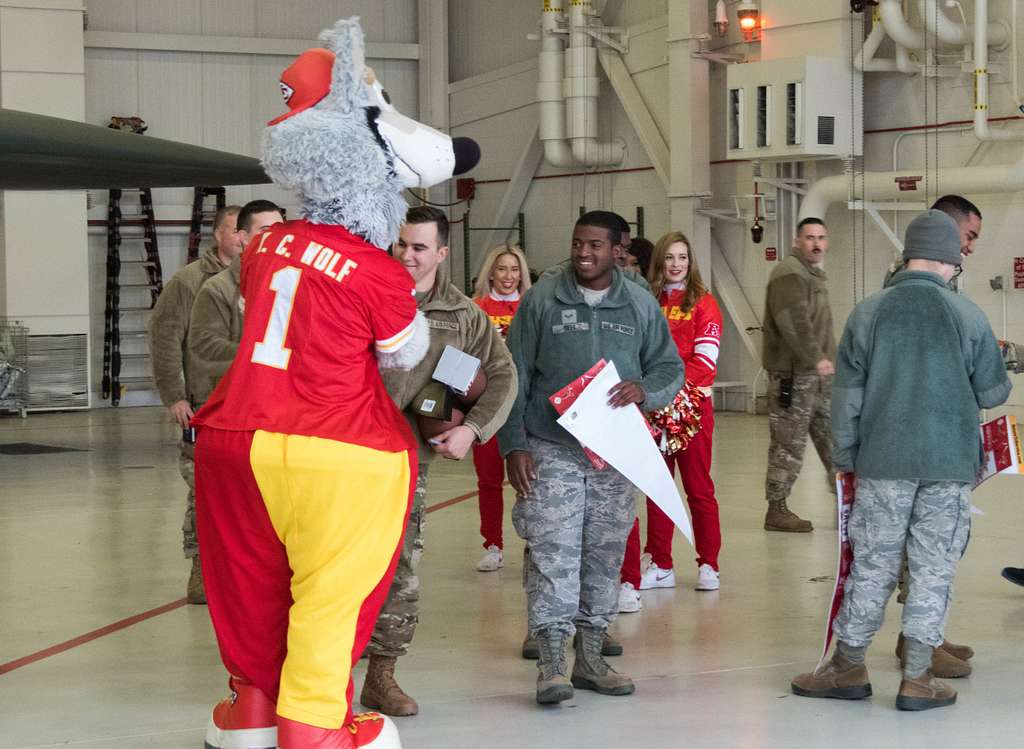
(90, 636)
(450, 502)
(125, 623)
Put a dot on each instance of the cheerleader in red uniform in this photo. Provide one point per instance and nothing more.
(696, 326)
(504, 278)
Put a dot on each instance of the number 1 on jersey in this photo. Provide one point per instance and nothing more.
(271, 351)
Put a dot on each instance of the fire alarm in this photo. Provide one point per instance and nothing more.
(465, 188)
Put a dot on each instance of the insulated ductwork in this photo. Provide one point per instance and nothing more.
(567, 92)
(981, 125)
(967, 180)
(950, 32)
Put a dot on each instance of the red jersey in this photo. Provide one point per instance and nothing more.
(697, 333)
(318, 302)
(500, 312)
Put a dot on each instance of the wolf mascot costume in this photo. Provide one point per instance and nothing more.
(304, 467)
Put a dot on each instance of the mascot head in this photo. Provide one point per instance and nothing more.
(345, 149)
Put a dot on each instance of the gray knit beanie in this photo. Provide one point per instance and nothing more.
(933, 235)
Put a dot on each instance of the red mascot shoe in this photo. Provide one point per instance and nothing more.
(245, 720)
(366, 731)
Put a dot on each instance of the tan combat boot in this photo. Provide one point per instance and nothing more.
(591, 671)
(838, 678)
(924, 693)
(382, 693)
(945, 665)
(610, 646)
(196, 593)
(552, 685)
(781, 518)
(963, 652)
(531, 648)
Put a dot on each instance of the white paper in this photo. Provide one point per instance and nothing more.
(620, 436)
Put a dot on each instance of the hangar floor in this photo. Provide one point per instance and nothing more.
(91, 539)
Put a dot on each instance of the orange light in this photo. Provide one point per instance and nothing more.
(748, 23)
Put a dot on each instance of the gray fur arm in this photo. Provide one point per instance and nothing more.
(412, 352)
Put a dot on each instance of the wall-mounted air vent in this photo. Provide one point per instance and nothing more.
(764, 116)
(794, 114)
(792, 109)
(736, 118)
(826, 130)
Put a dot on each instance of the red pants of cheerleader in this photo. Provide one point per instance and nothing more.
(299, 542)
(490, 475)
(694, 464)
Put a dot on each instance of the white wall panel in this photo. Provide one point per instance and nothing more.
(112, 15)
(169, 16)
(305, 19)
(170, 95)
(21, 30)
(488, 35)
(229, 17)
(226, 92)
(399, 20)
(112, 84)
(56, 94)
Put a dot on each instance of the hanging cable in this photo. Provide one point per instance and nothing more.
(436, 205)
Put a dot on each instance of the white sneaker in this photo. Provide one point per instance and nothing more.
(629, 599)
(491, 561)
(655, 577)
(707, 578)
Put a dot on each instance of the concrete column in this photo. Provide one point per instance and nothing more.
(44, 258)
(689, 126)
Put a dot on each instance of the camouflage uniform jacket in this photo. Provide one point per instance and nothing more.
(168, 327)
(215, 329)
(915, 364)
(556, 336)
(797, 318)
(455, 320)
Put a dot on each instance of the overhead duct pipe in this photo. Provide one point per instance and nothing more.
(567, 92)
(967, 180)
(897, 27)
(950, 32)
(981, 124)
(866, 62)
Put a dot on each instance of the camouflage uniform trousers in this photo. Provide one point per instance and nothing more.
(932, 521)
(575, 522)
(397, 620)
(187, 466)
(809, 413)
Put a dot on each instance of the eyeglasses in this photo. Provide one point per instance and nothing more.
(958, 271)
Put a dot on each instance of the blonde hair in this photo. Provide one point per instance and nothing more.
(695, 287)
(483, 279)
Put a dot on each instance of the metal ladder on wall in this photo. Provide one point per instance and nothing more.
(133, 267)
(201, 215)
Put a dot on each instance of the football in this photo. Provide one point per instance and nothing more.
(476, 389)
(429, 427)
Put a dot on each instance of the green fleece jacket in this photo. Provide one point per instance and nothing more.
(556, 336)
(915, 363)
(629, 274)
(455, 320)
(215, 330)
(168, 328)
(797, 318)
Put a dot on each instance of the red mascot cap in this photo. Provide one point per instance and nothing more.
(306, 81)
